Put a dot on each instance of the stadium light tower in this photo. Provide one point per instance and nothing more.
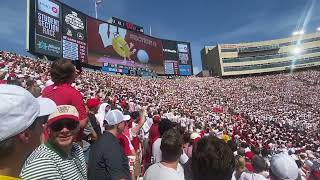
(318, 29)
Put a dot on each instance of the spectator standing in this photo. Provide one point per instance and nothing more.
(164, 125)
(93, 130)
(22, 117)
(93, 106)
(103, 109)
(169, 167)
(260, 170)
(63, 74)
(107, 159)
(283, 166)
(59, 157)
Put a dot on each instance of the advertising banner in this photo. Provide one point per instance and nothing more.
(48, 28)
(48, 46)
(183, 48)
(170, 50)
(74, 35)
(185, 70)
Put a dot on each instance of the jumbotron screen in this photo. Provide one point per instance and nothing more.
(59, 31)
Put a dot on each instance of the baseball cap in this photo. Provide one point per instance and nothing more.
(114, 117)
(19, 109)
(93, 102)
(64, 112)
(283, 166)
(156, 118)
(249, 155)
(47, 106)
(194, 136)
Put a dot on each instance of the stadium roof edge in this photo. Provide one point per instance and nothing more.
(264, 41)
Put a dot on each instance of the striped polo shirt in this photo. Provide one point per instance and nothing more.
(50, 162)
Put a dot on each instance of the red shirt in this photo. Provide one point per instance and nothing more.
(65, 94)
(154, 133)
(124, 142)
(135, 143)
(123, 104)
(3, 82)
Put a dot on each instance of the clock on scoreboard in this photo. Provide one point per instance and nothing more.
(126, 25)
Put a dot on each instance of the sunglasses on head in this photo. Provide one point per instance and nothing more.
(64, 123)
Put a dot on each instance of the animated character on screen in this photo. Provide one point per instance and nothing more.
(115, 37)
(116, 40)
(121, 46)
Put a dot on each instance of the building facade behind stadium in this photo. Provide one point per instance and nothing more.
(262, 57)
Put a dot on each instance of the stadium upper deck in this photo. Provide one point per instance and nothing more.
(265, 56)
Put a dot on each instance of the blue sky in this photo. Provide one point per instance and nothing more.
(201, 22)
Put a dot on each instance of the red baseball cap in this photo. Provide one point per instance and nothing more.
(156, 118)
(93, 102)
(249, 155)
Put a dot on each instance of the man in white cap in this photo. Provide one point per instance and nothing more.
(283, 166)
(59, 157)
(22, 117)
(107, 159)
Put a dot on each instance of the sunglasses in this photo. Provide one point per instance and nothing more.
(64, 123)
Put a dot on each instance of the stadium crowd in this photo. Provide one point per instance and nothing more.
(124, 127)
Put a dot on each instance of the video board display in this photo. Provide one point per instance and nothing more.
(59, 31)
(48, 28)
(177, 58)
(113, 44)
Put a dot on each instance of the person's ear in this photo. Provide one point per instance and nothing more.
(25, 136)
(49, 130)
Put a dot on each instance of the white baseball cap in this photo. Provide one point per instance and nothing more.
(284, 166)
(114, 117)
(19, 109)
(194, 136)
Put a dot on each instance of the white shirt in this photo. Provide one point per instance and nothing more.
(160, 172)
(251, 176)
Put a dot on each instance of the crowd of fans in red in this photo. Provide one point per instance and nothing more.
(263, 127)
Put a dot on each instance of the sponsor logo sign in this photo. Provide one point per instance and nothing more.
(183, 48)
(49, 7)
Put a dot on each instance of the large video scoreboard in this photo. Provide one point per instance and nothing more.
(60, 31)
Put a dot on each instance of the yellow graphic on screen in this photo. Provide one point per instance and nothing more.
(121, 46)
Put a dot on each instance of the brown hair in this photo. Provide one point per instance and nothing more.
(62, 71)
(171, 145)
(212, 158)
